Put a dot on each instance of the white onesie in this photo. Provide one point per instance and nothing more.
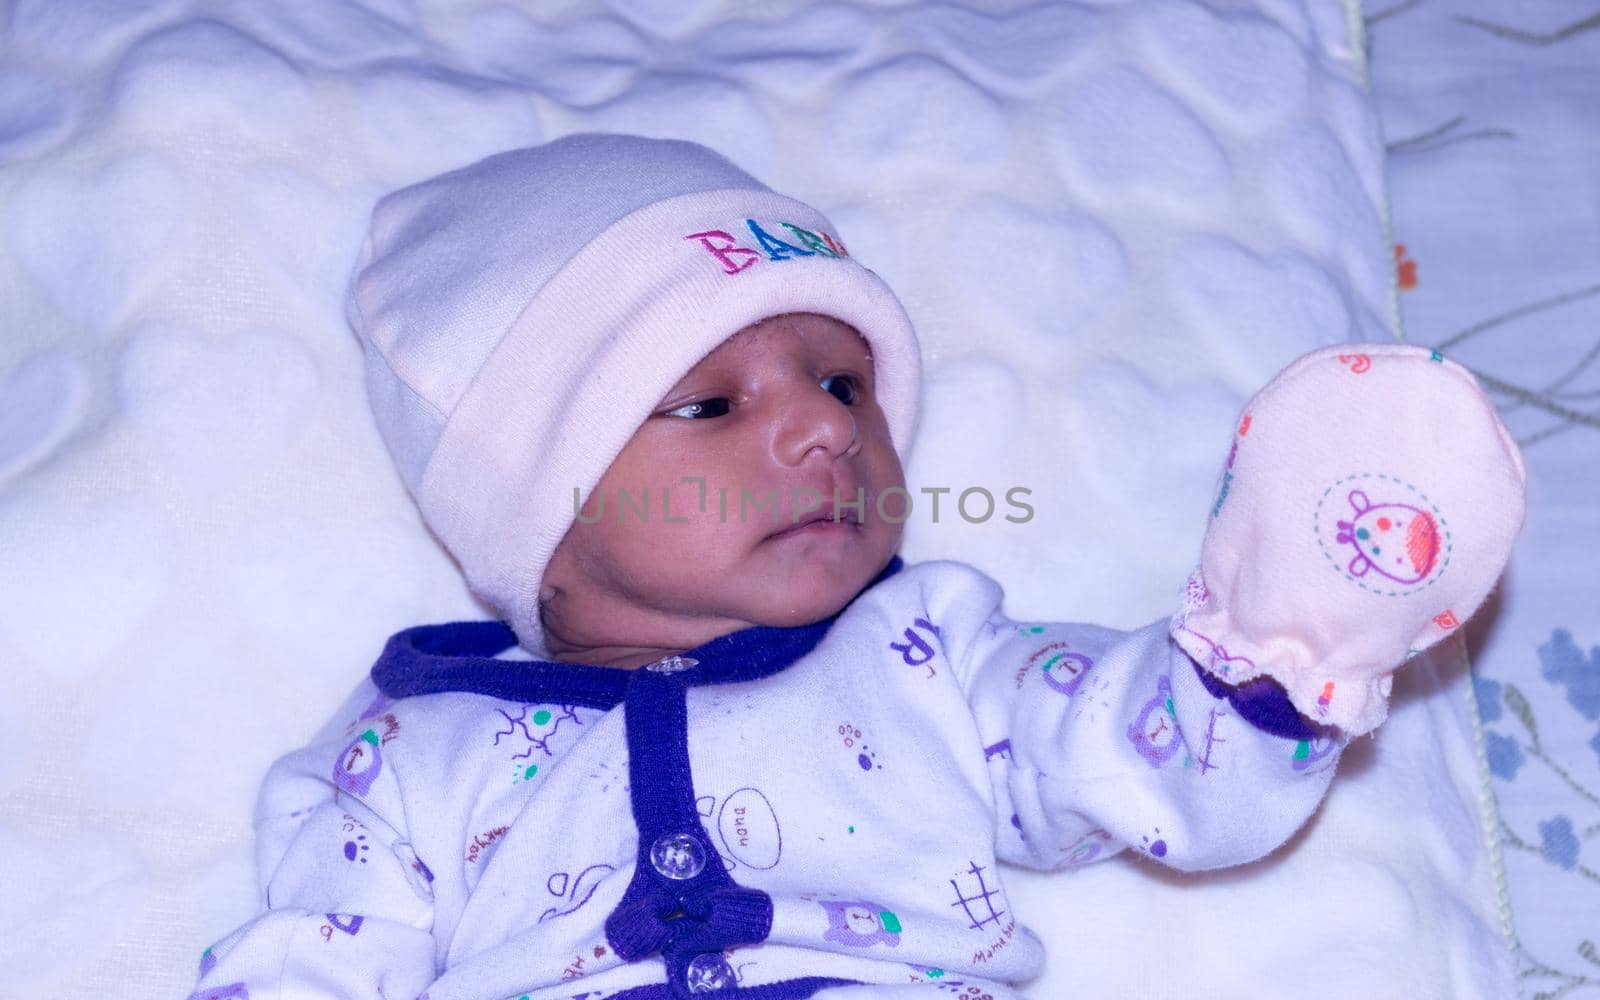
(781, 813)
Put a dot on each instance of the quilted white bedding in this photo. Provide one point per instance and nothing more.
(1110, 221)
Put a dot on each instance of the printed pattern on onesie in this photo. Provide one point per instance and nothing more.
(1100, 740)
(546, 850)
(857, 802)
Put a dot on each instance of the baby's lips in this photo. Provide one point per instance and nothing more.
(826, 514)
(813, 501)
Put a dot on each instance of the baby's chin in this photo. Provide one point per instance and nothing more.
(807, 598)
(806, 611)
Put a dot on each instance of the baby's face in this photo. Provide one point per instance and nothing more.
(783, 409)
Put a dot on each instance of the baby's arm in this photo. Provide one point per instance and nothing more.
(349, 908)
(1099, 740)
(1367, 506)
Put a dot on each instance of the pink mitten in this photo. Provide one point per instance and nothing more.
(1366, 509)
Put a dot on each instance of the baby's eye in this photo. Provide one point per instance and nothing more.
(844, 388)
(701, 410)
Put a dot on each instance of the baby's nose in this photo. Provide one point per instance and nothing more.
(815, 420)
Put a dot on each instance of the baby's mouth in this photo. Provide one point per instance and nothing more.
(842, 518)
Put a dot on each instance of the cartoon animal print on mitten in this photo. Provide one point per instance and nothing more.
(1395, 539)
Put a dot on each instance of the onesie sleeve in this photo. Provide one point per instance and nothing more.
(348, 905)
(1098, 739)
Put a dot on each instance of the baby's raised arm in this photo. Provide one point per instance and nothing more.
(1367, 507)
(1099, 740)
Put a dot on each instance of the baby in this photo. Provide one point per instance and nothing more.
(657, 412)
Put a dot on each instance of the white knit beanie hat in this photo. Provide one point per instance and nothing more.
(523, 316)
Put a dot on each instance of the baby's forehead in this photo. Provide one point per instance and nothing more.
(792, 333)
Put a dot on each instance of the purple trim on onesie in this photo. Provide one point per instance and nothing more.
(788, 989)
(461, 656)
(681, 903)
(1263, 703)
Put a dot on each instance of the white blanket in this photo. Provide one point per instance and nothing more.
(1110, 222)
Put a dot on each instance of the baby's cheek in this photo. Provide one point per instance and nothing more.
(892, 505)
(688, 501)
